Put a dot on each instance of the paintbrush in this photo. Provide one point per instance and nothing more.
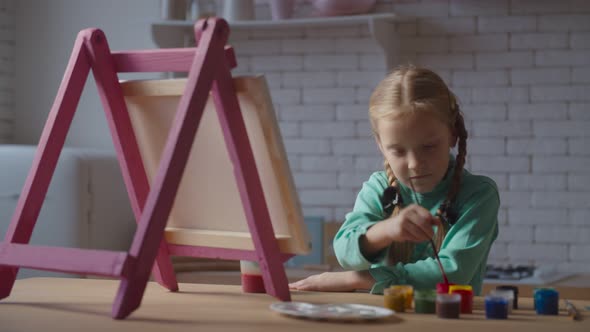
(442, 270)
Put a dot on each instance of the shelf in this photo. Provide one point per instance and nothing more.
(173, 33)
(290, 23)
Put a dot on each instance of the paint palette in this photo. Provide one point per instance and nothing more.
(331, 311)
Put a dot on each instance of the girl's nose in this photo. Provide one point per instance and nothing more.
(413, 161)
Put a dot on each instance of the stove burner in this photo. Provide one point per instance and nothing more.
(509, 272)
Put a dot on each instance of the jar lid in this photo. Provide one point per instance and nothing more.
(406, 288)
(425, 294)
(460, 288)
(495, 299)
(448, 298)
(507, 293)
(545, 293)
(442, 287)
(394, 291)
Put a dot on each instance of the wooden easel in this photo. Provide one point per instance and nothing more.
(209, 66)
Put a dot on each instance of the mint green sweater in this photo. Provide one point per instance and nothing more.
(464, 251)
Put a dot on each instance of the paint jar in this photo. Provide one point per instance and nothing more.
(466, 292)
(508, 294)
(546, 301)
(408, 292)
(496, 307)
(448, 305)
(251, 277)
(394, 299)
(442, 288)
(425, 301)
(534, 292)
(514, 290)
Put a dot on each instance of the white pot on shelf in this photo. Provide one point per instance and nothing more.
(238, 10)
(281, 9)
(342, 7)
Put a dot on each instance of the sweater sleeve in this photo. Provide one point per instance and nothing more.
(367, 211)
(465, 247)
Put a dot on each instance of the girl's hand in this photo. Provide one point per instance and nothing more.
(346, 281)
(413, 223)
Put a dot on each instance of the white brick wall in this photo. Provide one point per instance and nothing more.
(6, 70)
(522, 71)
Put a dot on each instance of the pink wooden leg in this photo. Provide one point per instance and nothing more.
(128, 297)
(125, 143)
(248, 180)
(173, 161)
(46, 157)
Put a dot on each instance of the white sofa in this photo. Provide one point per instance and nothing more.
(86, 205)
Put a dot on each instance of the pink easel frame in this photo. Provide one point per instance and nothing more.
(209, 66)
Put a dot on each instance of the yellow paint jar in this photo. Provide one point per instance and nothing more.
(408, 292)
(394, 299)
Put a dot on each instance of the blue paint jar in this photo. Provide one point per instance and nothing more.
(546, 301)
(496, 307)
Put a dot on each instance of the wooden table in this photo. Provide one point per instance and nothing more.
(54, 304)
(574, 287)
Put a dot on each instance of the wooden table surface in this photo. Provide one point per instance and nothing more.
(63, 304)
(574, 287)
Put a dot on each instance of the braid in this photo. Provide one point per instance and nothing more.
(389, 172)
(399, 252)
(461, 132)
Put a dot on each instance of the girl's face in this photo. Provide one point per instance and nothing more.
(416, 146)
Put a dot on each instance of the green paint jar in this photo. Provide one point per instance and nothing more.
(425, 301)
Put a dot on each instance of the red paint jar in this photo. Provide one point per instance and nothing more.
(442, 288)
(252, 281)
(466, 292)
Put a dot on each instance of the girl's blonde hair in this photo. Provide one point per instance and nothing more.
(411, 89)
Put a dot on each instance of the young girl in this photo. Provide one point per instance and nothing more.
(416, 121)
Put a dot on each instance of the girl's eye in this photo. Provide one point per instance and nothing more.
(429, 146)
(397, 152)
